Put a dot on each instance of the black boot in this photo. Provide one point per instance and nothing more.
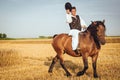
(77, 51)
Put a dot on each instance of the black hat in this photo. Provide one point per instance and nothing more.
(68, 6)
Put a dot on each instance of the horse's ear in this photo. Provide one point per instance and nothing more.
(92, 22)
(103, 20)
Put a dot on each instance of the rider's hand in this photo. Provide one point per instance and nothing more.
(68, 11)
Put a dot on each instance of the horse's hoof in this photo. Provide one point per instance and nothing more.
(80, 73)
(49, 71)
(95, 76)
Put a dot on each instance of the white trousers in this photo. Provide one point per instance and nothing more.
(74, 33)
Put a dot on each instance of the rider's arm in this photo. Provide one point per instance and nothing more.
(83, 24)
(68, 18)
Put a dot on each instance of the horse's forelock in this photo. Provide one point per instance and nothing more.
(101, 23)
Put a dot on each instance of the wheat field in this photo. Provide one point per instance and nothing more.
(30, 60)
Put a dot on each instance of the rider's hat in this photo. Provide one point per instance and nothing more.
(68, 6)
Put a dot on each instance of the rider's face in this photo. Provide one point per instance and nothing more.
(73, 12)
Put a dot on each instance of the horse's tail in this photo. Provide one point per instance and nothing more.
(55, 35)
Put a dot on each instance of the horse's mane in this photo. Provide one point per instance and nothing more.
(92, 28)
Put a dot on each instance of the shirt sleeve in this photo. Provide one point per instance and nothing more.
(69, 18)
(83, 25)
(83, 22)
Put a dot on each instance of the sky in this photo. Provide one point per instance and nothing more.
(34, 18)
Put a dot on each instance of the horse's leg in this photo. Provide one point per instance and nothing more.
(55, 59)
(63, 66)
(94, 61)
(85, 61)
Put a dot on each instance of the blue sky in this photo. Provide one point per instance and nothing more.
(33, 18)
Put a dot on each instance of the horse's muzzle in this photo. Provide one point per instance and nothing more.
(103, 42)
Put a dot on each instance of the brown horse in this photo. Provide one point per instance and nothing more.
(90, 44)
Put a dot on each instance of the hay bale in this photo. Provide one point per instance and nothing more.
(9, 57)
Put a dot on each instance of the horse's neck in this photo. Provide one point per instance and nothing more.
(91, 37)
(96, 41)
(85, 36)
(85, 33)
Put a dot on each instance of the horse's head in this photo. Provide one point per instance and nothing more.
(97, 29)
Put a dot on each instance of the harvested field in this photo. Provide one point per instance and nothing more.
(30, 60)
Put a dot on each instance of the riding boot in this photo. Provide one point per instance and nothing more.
(77, 51)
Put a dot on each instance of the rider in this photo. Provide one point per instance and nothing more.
(77, 24)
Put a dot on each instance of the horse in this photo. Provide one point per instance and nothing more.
(90, 42)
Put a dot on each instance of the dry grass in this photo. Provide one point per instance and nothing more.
(113, 39)
(9, 57)
(36, 59)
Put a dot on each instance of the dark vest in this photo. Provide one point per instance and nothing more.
(75, 24)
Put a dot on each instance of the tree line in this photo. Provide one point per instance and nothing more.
(3, 35)
(45, 37)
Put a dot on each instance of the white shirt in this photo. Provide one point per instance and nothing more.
(69, 20)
